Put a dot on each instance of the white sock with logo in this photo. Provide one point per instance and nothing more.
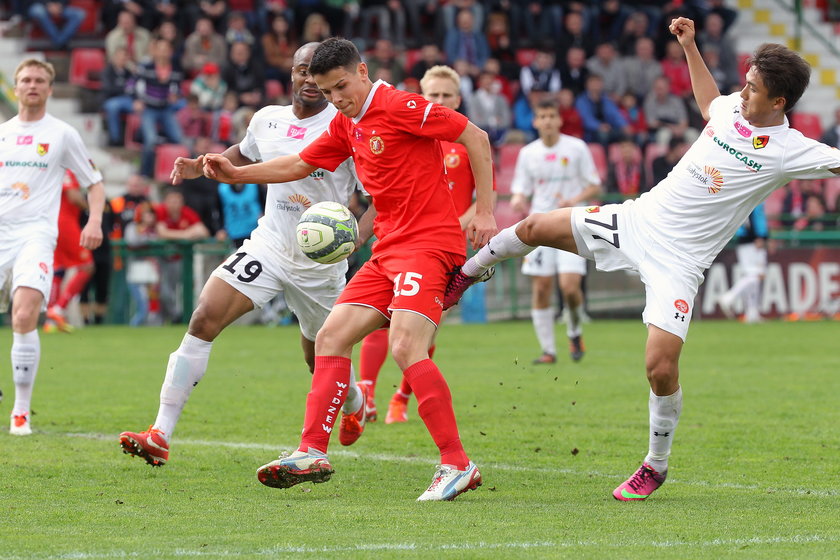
(664, 417)
(26, 353)
(505, 245)
(354, 399)
(185, 369)
(543, 320)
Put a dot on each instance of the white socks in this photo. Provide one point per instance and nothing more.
(543, 320)
(505, 245)
(354, 399)
(26, 353)
(573, 321)
(185, 369)
(664, 416)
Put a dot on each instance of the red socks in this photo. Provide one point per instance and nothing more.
(74, 286)
(330, 383)
(372, 355)
(434, 404)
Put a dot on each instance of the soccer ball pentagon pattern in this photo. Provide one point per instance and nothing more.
(327, 232)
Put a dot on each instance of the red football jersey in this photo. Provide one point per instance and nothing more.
(187, 218)
(460, 176)
(69, 212)
(394, 144)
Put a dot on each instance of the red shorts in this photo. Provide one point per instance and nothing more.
(403, 283)
(68, 252)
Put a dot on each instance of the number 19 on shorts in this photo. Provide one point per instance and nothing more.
(406, 284)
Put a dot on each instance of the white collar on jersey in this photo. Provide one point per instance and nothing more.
(369, 100)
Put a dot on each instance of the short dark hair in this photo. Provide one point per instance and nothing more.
(785, 73)
(333, 53)
(547, 103)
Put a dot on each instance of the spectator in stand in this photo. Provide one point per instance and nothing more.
(543, 20)
(666, 113)
(111, 9)
(237, 30)
(241, 207)
(315, 29)
(489, 110)
(278, 48)
(169, 31)
(215, 11)
(175, 222)
(540, 74)
(464, 43)
(501, 45)
(626, 173)
(815, 215)
(494, 67)
(602, 121)
(831, 135)
(573, 35)
(384, 56)
(728, 15)
(675, 68)
(209, 88)
(117, 84)
(93, 300)
(202, 46)
(606, 64)
(464, 70)
(572, 123)
(223, 120)
(523, 113)
(128, 35)
(254, 12)
(574, 72)
(194, 121)
(244, 76)
(724, 82)
(608, 20)
(124, 206)
(449, 12)
(390, 20)
(58, 20)
(635, 117)
(430, 55)
(157, 98)
(662, 165)
(641, 69)
(713, 36)
(160, 11)
(141, 272)
(201, 194)
(636, 27)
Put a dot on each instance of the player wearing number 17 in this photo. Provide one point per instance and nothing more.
(672, 234)
(393, 138)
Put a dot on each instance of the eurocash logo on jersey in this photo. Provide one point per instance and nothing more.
(38, 164)
(750, 163)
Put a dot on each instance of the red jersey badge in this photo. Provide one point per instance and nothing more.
(760, 141)
(377, 146)
(452, 160)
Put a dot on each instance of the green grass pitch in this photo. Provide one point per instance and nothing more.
(755, 469)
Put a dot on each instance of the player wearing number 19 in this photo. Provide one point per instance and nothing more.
(671, 234)
(268, 263)
(393, 137)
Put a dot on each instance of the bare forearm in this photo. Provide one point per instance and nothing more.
(702, 83)
(96, 203)
(477, 144)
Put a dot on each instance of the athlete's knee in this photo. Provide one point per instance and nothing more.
(204, 324)
(662, 369)
(332, 341)
(526, 230)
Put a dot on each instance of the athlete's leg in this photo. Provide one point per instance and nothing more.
(26, 351)
(542, 316)
(372, 355)
(411, 336)
(571, 287)
(662, 355)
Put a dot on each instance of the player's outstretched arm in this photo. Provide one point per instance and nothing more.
(366, 224)
(91, 237)
(189, 168)
(278, 170)
(702, 83)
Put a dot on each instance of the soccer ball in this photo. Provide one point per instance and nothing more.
(327, 232)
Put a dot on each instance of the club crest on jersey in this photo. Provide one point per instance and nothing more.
(42, 149)
(760, 141)
(681, 305)
(295, 132)
(743, 130)
(452, 160)
(593, 209)
(377, 146)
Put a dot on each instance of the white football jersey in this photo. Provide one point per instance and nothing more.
(731, 168)
(276, 131)
(33, 160)
(552, 173)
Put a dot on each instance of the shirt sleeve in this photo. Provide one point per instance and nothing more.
(809, 159)
(248, 145)
(419, 117)
(329, 150)
(77, 159)
(723, 103)
(588, 172)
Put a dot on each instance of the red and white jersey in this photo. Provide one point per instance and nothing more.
(394, 143)
(731, 168)
(275, 131)
(552, 173)
(459, 174)
(33, 159)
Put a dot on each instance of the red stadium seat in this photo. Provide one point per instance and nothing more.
(165, 155)
(505, 166)
(185, 87)
(599, 155)
(273, 90)
(505, 215)
(524, 57)
(132, 129)
(742, 67)
(411, 58)
(92, 9)
(86, 66)
(808, 124)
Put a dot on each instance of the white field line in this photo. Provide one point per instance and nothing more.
(424, 547)
(496, 466)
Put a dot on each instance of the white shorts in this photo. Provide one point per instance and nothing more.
(28, 262)
(261, 276)
(548, 261)
(751, 260)
(611, 236)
